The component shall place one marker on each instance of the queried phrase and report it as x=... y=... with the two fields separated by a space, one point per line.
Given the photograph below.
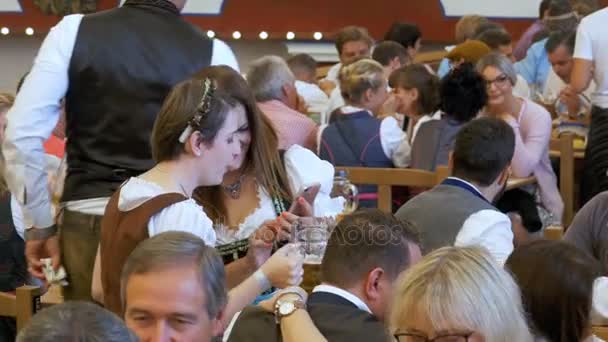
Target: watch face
x=286 y=308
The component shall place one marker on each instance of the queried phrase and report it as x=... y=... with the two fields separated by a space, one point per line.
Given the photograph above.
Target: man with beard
x=459 y=211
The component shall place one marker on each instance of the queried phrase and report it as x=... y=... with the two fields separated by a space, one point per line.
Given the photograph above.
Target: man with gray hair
x=173 y=288
x=273 y=85
x=76 y=321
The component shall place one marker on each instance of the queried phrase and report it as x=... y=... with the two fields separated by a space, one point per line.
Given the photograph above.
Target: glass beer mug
x=344 y=188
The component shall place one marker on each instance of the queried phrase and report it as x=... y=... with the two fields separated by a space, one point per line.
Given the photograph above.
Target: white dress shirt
x=335 y=101
x=35 y=114
x=490 y=229
x=393 y=139
x=344 y=294
x=315 y=98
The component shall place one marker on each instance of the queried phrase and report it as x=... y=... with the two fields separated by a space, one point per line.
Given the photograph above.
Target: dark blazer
x=335 y=317
x=340 y=320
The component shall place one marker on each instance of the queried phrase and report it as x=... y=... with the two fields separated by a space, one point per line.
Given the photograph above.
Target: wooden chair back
x=22 y=305
x=386 y=178
x=601 y=332
x=563 y=146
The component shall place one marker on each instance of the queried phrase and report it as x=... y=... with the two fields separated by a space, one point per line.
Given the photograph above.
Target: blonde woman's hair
x=358 y=77
x=6 y=102
x=462 y=288
x=467 y=26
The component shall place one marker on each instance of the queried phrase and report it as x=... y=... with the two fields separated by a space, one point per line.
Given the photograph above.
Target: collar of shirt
x=344 y=294
x=469 y=184
x=352 y=109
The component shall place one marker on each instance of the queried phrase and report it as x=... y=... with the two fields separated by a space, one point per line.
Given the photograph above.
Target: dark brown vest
x=125 y=62
x=121 y=232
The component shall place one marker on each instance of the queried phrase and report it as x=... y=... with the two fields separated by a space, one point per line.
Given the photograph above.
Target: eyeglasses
x=415 y=337
x=500 y=81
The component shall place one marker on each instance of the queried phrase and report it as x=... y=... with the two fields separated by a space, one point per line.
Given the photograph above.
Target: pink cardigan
x=532 y=136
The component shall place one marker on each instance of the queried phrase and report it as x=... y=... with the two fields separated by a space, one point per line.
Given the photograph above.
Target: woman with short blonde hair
x=358 y=78
x=458 y=294
x=355 y=135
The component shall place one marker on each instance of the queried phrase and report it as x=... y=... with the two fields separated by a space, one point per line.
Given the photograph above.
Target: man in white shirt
x=560 y=48
x=365 y=254
x=352 y=43
x=459 y=211
x=391 y=56
x=591 y=62
x=114 y=68
x=304 y=68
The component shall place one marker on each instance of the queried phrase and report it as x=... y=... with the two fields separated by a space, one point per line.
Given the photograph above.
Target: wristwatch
x=286 y=307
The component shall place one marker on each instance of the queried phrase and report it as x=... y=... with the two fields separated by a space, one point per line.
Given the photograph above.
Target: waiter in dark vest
x=114 y=68
x=591 y=62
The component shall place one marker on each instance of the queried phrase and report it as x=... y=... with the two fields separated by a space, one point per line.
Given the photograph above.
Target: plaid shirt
x=291 y=126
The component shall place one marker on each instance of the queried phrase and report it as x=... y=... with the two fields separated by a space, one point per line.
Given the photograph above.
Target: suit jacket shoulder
x=341 y=321
x=255 y=324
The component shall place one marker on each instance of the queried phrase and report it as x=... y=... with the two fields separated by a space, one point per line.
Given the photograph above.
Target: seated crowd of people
x=194 y=237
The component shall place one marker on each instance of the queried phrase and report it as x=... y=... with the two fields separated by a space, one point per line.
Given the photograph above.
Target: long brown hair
x=416 y=76
x=556 y=281
x=263 y=157
x=178 y=109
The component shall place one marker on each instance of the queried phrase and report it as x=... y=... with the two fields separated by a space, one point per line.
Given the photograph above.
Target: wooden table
x=514 y=183
x=578 y=154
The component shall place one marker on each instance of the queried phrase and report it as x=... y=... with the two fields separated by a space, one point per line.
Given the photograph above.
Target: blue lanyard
x=460 y=184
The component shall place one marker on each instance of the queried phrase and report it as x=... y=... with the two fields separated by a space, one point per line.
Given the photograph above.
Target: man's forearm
x=27 y=180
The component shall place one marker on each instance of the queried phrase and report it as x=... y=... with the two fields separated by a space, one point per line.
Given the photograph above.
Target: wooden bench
x=564 y=149
x=386 y=178
x=22 y=305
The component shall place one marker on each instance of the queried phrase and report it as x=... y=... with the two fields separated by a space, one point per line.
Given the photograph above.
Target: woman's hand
x=389 y=107
x=278 y=230
x=260 y=245
x=294 y=292
x=284 y=268
x=301 y=207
